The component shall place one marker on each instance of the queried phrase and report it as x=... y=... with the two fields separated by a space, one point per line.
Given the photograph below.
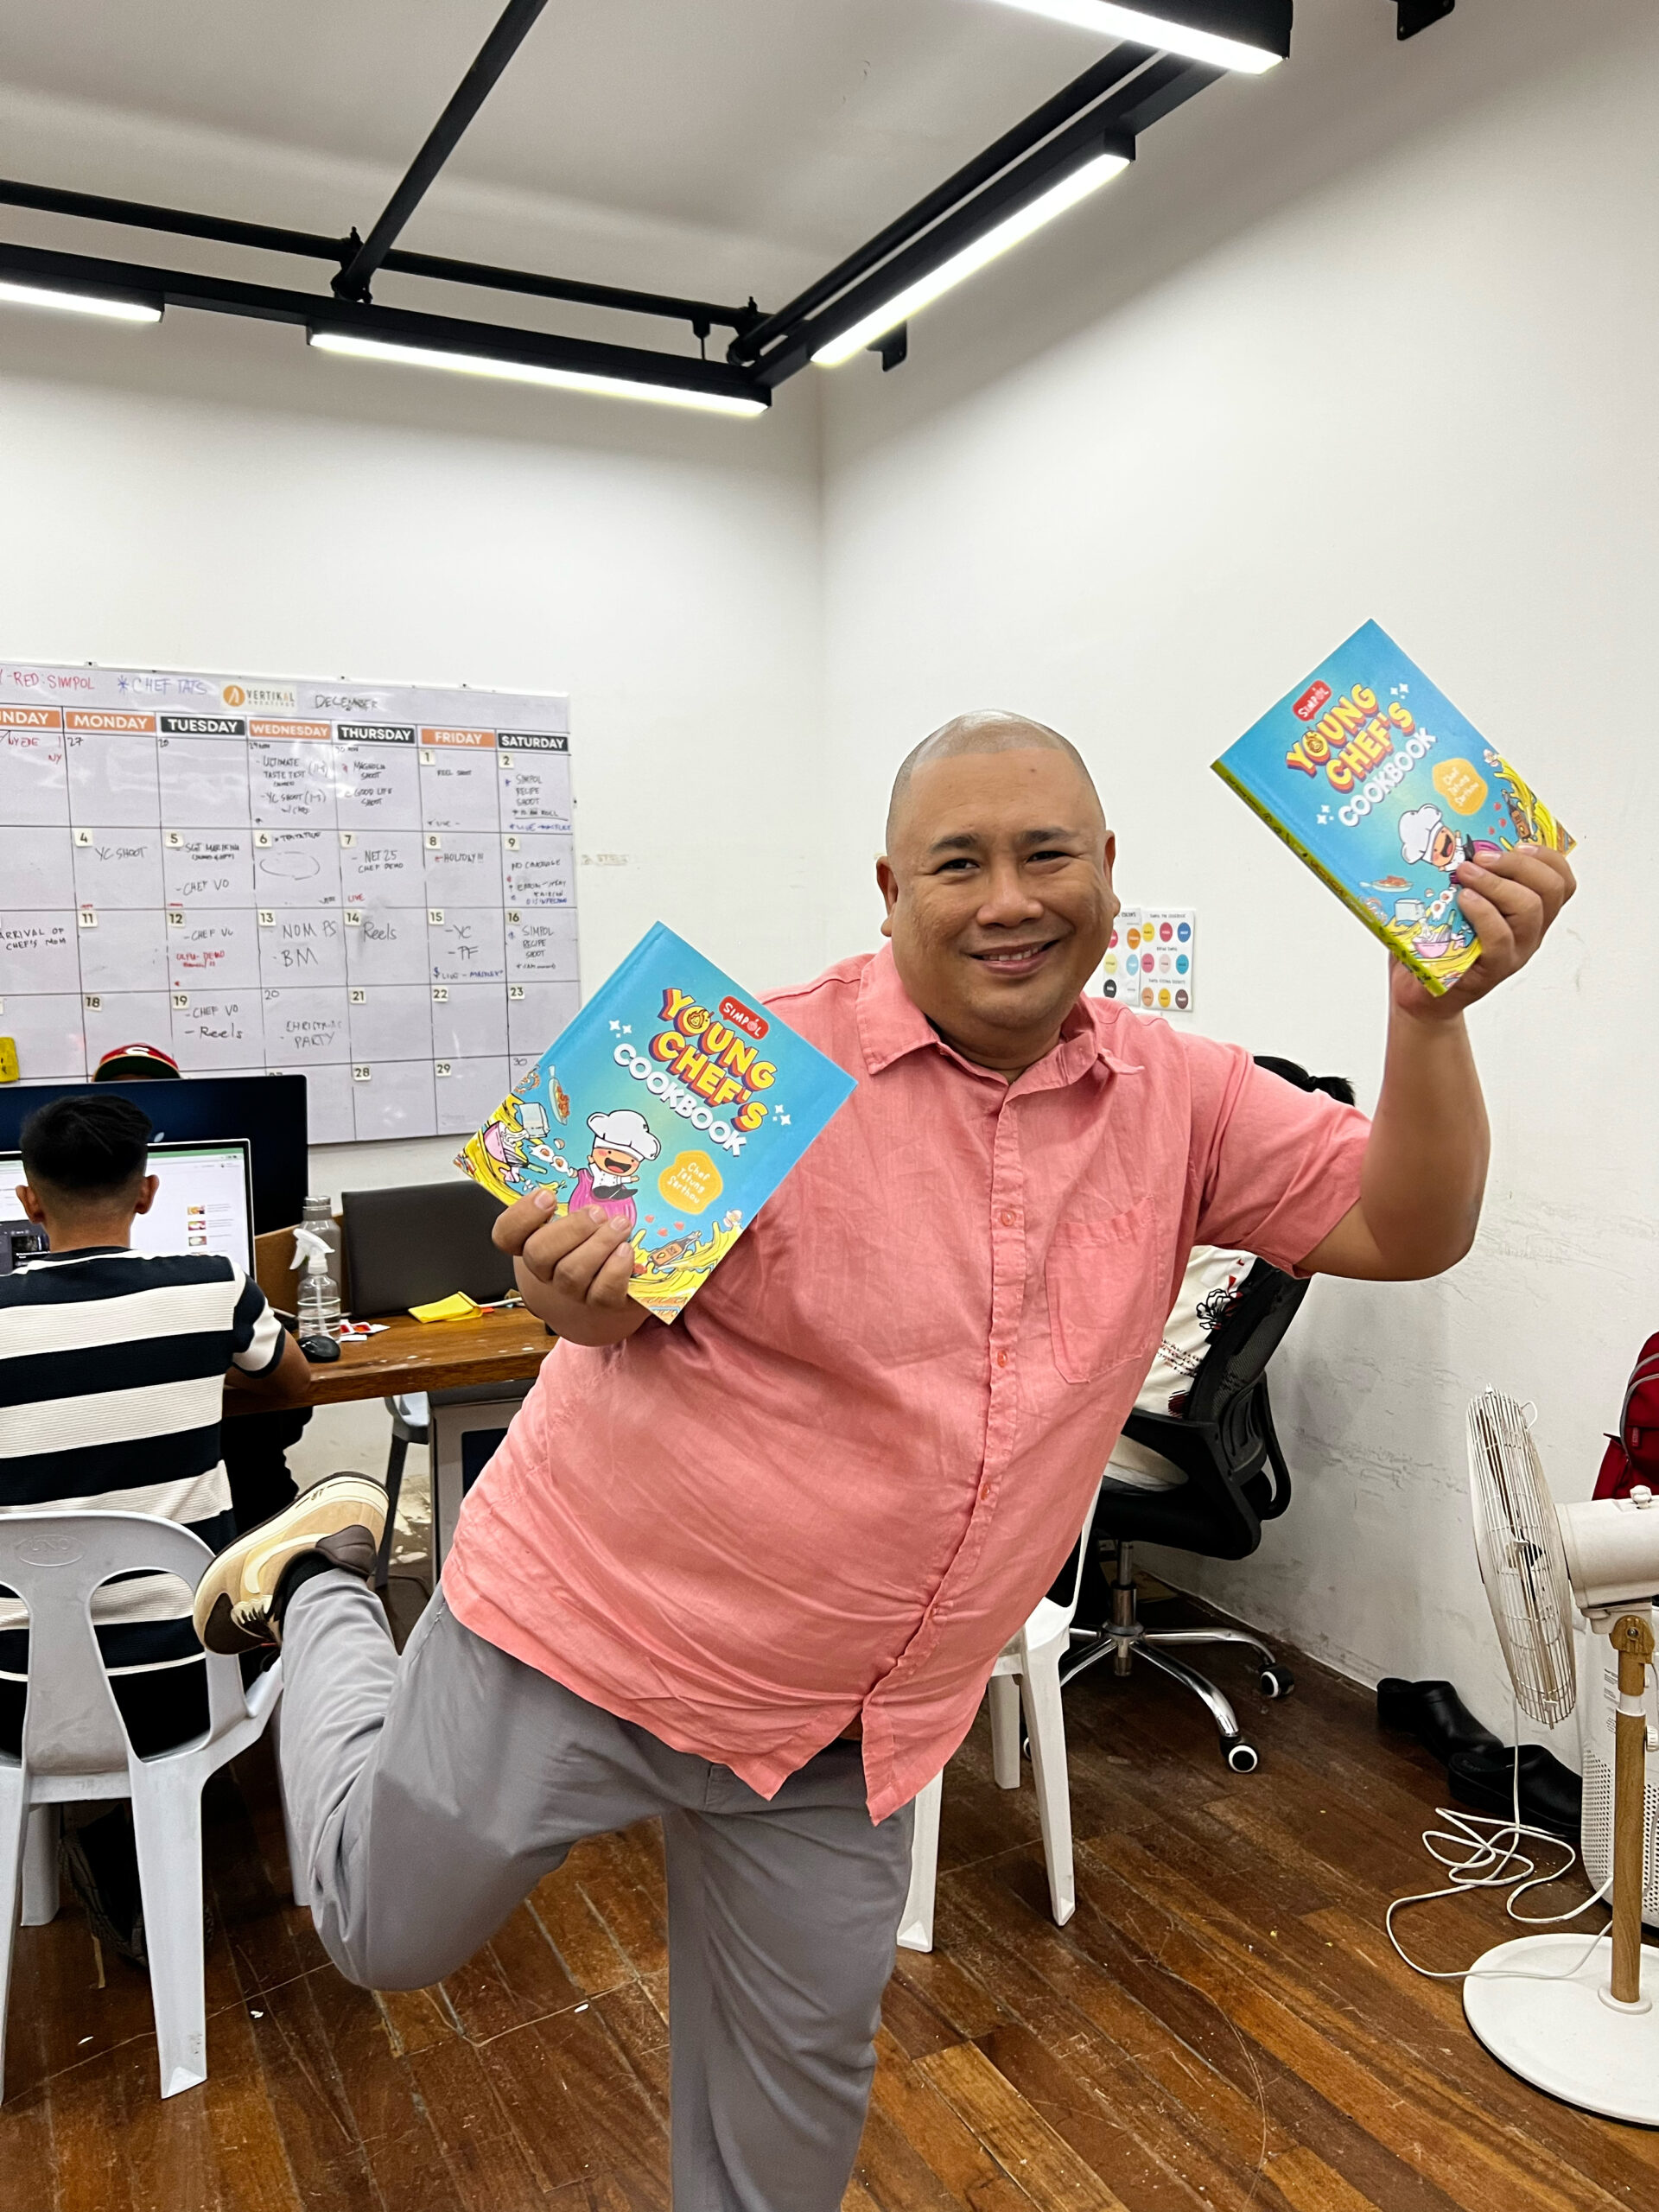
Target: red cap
x=134 y=1064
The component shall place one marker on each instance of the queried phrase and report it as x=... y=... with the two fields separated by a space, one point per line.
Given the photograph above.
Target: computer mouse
x=320 y=1350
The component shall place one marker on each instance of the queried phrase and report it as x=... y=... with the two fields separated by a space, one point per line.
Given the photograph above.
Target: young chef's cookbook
x=1377 y=782
x=675 y=1102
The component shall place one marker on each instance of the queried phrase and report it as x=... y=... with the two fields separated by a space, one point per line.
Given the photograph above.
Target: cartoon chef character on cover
x=622 y=1143
x=1424 y=836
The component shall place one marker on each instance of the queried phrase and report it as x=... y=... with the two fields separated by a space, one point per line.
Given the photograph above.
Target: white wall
x=663 y=572
x=1373 y=337
x=212 y=494
x=667 y=580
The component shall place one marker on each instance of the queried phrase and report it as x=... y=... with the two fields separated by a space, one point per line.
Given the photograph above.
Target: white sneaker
x=343 y=1518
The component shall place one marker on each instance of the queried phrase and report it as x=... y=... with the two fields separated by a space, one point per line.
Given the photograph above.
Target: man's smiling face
x=999 y=894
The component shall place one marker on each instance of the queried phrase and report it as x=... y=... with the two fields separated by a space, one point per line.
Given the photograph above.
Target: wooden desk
x=410 y=1354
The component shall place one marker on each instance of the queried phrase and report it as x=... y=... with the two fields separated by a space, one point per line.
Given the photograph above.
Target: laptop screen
x=204 y=1205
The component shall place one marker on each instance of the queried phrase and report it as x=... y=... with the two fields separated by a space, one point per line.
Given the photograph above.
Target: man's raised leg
x=428 y=1795
x=417 y=1787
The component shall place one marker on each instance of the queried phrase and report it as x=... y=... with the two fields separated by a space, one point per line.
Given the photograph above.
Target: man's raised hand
x=1510 y=903
x=572 y=1270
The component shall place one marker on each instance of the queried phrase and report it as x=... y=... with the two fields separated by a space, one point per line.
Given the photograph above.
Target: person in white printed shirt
x=1212 y=1278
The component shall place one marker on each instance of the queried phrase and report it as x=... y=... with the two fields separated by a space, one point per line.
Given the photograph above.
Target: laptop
x=204 y=1203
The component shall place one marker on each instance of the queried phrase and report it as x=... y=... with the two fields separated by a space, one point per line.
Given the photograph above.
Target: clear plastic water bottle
x=316 y=1255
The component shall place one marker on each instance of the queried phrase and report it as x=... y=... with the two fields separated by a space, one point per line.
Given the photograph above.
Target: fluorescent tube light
x=1151 y=26
x=36 y=296
x=926 y=289
x=482 y=364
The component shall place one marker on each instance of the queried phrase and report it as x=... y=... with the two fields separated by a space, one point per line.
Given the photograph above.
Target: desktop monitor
x=269 y=1111
x=205 y=1205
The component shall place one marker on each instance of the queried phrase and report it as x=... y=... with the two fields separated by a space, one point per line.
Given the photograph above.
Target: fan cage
x=1522 y=1562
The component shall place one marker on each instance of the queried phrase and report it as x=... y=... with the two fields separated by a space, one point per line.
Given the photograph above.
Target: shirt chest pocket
x=1106 y=1286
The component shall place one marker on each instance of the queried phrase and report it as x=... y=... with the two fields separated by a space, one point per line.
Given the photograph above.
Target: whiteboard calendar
x=372 y=886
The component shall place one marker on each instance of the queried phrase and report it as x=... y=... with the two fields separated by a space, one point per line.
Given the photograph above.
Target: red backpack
x=1632 y=1456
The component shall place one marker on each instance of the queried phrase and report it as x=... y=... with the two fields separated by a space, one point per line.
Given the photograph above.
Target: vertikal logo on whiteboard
x=261 y=696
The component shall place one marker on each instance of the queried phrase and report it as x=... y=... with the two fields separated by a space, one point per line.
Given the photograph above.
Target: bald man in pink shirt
x=750 y=1572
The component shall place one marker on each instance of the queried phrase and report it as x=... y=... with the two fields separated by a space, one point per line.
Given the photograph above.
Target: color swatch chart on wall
x=372 y=886
x=1151 y=958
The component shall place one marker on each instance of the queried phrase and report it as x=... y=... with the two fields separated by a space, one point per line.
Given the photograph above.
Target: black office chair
x=407 y=1246
x=1223 y=1440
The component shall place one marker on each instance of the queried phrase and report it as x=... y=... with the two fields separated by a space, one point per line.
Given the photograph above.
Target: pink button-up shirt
x=838 y=1484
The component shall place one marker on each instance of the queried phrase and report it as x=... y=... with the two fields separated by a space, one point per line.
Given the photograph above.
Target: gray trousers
x=427 y=1795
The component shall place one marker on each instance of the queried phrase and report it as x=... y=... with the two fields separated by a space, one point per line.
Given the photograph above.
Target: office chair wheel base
x=1242 y=1758
x=1277 y=1682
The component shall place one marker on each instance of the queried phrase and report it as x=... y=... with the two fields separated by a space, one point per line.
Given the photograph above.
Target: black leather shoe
x=1435 y=1715
x=1552 y=1795
x=101 y=1861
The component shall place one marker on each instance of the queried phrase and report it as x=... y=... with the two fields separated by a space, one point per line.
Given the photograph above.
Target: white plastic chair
x=75 y=1748
x=1028 y=1669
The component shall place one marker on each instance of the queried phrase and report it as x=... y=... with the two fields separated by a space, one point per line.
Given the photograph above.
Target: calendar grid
x=372 y=886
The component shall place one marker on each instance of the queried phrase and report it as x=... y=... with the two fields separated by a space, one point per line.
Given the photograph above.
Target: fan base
x=1559 y=2034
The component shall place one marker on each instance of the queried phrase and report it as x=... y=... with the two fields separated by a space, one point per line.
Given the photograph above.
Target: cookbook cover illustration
x=1377 y=782
x=674 y=1101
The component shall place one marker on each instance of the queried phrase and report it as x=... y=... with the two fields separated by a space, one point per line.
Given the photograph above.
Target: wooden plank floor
x=1222 y=2028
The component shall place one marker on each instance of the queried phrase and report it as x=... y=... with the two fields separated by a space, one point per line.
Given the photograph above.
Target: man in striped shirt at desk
x=113 y=1370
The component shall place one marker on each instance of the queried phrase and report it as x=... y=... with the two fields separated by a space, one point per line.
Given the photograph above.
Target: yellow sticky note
x=456 y=1308
x=7 y=1060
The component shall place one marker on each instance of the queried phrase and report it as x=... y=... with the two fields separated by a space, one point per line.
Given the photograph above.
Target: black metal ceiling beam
x=319 y=311
x=1162 y=84
x=1122 y=61
x=91 y=207
x=1123 y=94
x=475 y=88
x=226 y=230
x=1417 y=14
x=702 y=315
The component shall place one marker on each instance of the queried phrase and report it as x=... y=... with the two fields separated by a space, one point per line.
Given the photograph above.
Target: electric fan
x=1556 y=2011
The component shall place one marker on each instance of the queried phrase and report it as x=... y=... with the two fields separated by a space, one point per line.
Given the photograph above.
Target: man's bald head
x=997 y=881
x=987 y=729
